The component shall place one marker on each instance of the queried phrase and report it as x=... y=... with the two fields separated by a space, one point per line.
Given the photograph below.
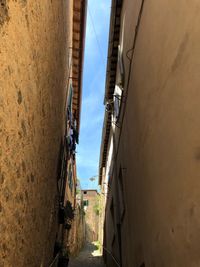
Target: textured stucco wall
x=159 y=146
x=69 y=236
x=34 y=37
x=91 y=217
x=76 y=238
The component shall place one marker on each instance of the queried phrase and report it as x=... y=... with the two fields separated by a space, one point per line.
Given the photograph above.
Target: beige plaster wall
x=160 y=143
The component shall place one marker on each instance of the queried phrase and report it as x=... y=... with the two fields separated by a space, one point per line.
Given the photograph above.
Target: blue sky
x=92 y=111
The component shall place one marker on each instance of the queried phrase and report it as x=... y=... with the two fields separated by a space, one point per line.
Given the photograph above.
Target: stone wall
x=34 y=37
x=91 y=216
x=76 y=237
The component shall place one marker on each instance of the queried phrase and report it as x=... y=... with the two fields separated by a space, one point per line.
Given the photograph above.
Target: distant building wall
x=70 y=236
x=90 y=199
x=76 y=238
x=152 y=214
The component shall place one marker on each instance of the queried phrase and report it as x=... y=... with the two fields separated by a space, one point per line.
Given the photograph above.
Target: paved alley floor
x=88 y=257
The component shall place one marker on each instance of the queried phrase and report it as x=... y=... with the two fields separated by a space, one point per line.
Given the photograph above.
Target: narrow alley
x=99 y=133
x=90 y=256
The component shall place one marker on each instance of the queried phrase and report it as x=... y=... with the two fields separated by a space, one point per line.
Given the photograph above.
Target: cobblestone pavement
x=88 y=257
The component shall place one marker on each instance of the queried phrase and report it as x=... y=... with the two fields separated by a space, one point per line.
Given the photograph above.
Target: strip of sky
x=96 y=47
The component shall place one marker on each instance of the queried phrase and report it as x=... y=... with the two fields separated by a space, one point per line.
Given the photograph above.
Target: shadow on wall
x=92 y=247
x=91 y=235
x=89 y=256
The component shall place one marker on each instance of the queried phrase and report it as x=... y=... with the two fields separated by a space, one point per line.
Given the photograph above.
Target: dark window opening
x=86 y=203
x=121 y=196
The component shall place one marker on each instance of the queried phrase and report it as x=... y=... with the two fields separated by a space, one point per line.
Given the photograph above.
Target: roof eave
x=110 y=79
x=79 y=22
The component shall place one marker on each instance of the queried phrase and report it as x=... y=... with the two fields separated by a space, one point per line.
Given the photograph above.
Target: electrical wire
x=96 y=37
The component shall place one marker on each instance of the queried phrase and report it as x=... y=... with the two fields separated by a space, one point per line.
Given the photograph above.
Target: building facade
x=41 y=58
x=70 y=216
x=91 y=208
x=149 y=164
x=76 y=239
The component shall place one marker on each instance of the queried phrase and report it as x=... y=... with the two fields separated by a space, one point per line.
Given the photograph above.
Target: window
x=112 y=212
x=86 y=203
x=117 y=103
x=120 y=69
x=112 y=234
x=119 y=84
x=70 y=178
x=121 y=196
x=69 y=99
